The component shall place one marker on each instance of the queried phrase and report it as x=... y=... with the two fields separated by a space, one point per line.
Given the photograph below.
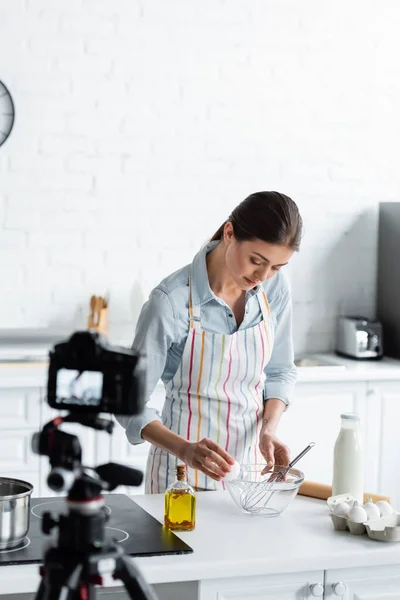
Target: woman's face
x=253 y=262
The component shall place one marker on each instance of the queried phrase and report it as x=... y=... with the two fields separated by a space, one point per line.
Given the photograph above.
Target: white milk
x=348 y=461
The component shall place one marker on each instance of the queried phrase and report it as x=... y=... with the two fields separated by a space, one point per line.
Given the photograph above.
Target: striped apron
x=217 y=392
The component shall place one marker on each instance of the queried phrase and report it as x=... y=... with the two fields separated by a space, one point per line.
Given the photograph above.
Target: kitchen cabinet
x=384 y=398
x=19 y=417
x=314 y=416
x=298 y=586
x=380 y=583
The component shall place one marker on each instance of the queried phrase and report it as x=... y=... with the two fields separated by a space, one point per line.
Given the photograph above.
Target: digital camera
x=89 y=375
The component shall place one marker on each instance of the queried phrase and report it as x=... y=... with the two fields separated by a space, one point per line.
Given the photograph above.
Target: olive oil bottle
x=180 y=503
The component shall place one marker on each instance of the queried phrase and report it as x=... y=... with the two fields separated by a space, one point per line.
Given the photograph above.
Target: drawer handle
x=317 y=590
x=339 y=589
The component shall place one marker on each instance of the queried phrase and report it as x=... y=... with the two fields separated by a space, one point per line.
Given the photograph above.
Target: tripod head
x=65 y=455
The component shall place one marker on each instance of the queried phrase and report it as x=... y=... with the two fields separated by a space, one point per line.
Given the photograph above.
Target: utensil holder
x=100 y=323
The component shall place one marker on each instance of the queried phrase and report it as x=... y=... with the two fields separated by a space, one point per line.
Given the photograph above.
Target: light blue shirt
x=163 y=327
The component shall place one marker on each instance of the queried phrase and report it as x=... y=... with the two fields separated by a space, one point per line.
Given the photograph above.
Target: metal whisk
x=256 y=496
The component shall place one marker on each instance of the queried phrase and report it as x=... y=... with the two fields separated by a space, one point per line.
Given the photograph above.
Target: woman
x=218 y=334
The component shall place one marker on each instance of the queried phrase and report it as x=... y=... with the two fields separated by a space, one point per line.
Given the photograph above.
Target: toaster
x=359 y=337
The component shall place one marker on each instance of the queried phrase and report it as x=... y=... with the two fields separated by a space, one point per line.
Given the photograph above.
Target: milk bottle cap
x=350 y=416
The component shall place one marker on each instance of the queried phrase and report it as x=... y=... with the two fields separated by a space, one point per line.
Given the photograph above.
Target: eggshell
x=233 y=473
x=385 y=508
x=357 y=514
x=372 y=510
x=341 y=509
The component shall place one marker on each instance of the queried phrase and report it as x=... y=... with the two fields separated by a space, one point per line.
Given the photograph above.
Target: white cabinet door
x=384 y=401
x=298 y=586
x=20 y=408
x=15 y=452
x=315 y=416
x=19 y=419
x=377 y=583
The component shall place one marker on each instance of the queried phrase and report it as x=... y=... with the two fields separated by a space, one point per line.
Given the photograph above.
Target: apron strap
x=264 y=305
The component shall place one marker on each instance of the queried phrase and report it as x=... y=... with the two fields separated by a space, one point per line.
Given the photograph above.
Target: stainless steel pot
x=15 y=501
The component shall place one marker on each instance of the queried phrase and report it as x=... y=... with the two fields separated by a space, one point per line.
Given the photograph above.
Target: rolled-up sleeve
x=281 y=373
x=154 y=334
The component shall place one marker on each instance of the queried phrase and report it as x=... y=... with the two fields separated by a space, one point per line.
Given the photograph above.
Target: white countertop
x=386 y=369
x=228 y=543
x=34 y=372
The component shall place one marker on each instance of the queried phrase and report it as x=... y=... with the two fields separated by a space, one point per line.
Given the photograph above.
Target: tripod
x=83 y=556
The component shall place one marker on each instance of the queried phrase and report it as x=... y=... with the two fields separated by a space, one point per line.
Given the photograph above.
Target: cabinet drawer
x=288 y=586
x=20 y=407
x=377 y=583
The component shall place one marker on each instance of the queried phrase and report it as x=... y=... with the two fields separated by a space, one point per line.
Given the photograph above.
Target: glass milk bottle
x=348 y=462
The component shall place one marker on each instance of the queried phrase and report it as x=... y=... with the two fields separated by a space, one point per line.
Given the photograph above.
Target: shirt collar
x=201 y=291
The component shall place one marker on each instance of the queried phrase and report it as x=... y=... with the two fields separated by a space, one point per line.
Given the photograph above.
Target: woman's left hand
x=273 y=450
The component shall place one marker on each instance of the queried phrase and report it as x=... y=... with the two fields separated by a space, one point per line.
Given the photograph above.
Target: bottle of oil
x=180 y=503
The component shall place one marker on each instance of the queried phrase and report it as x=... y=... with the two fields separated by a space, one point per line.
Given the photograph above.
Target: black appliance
x=388 y=277
x=139 y=533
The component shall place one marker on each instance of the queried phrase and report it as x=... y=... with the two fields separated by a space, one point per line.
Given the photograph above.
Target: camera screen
x=83 y=388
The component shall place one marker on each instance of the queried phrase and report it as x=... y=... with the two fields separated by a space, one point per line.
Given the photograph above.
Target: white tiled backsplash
x=140 y=124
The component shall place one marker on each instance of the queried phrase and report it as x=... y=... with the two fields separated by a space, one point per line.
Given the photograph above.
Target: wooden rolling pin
x=324 y=491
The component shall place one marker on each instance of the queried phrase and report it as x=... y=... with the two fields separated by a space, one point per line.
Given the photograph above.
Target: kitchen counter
x=345 y=369
x=227 y=543
x=34 y=373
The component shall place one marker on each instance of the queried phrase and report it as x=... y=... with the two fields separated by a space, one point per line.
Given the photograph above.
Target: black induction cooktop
x=139 y=533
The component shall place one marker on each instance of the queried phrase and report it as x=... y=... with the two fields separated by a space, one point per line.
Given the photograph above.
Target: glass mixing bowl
x=255 y=495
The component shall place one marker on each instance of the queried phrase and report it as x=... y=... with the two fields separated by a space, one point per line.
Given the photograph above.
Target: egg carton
x=385 y=529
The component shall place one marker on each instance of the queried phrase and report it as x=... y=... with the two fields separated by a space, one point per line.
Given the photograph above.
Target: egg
x=341 y=509
x=385 y=508
x=357 y=514
x=233 y=473
x=372 y=510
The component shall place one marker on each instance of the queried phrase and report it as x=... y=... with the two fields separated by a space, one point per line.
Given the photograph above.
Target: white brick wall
x=141 y=123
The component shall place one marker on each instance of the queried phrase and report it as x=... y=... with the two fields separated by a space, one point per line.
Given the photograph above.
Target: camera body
x=88 y=375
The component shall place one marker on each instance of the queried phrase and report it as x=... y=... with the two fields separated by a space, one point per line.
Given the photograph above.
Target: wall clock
x=7 y=113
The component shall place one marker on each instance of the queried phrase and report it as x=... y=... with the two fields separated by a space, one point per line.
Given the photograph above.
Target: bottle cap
x=350 y=416
x=181 y=472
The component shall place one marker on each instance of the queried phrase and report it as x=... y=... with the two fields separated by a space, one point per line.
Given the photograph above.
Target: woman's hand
x=273 y=450
x=208 y=457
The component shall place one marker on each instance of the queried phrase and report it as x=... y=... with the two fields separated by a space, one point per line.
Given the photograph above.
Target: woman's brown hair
x=268 y=216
